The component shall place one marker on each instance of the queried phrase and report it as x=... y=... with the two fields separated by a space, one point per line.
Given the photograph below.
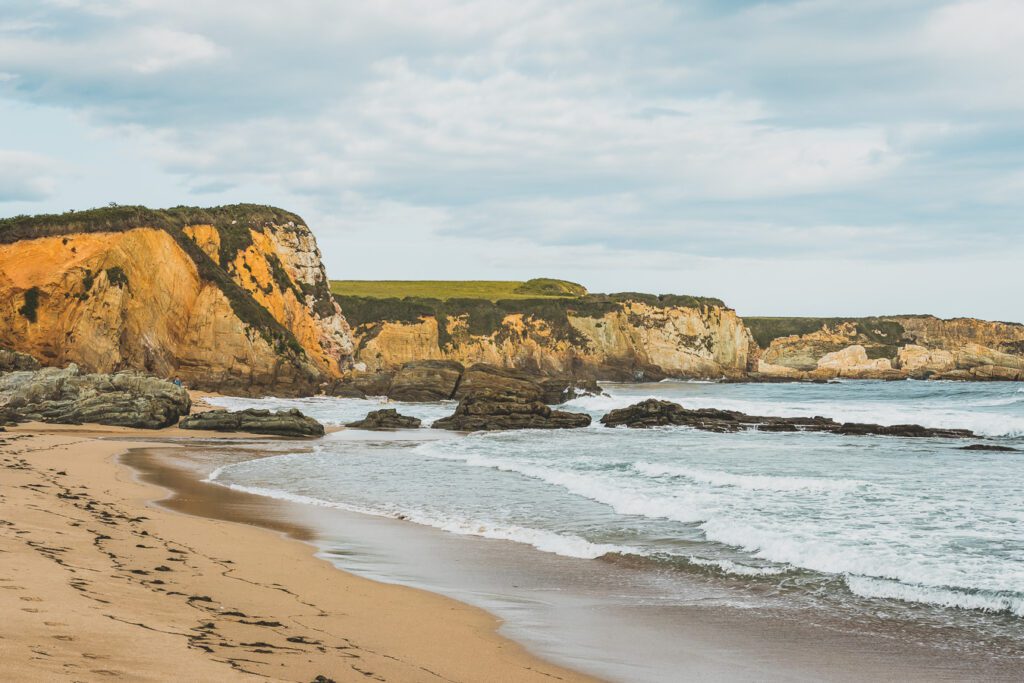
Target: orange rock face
x=136 y=299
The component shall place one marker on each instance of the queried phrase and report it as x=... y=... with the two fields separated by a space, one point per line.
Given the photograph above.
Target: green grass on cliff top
x=490 y=290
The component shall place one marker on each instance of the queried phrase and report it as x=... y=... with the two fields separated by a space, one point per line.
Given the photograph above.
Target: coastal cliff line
x=233 y=298
x=236 y=299
x=622 y=337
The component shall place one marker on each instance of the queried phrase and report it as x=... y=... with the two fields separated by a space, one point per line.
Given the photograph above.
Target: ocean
x=876 y=535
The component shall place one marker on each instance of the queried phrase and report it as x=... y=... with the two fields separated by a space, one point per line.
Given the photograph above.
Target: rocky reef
x=232 y=299
x=290 y=423
x=70 y=396
x=655 y=413
x=899 y=347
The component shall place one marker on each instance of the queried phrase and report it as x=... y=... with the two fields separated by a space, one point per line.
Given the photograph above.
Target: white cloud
x=25 y=176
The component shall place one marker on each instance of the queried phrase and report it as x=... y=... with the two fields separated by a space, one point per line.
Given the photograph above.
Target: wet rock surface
x=256 y=421
x=655 y=413
x=989 y=447
x=69 y=396
x=387 y=418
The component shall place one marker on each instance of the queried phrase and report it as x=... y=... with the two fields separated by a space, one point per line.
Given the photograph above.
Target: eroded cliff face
x=248 y=316
x=631 y=340
x=899 y=347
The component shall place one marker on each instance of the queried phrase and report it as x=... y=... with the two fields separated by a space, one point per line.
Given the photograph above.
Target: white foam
x=870 y=587
x=730 y=567
x=751 y=482
x=547 y=541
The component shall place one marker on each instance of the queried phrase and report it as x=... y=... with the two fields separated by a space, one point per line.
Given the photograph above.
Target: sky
x=809 y=157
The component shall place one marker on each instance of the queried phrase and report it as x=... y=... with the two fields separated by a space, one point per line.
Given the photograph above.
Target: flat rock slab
x=255 y=421
x=655 y=413
x=387 y=418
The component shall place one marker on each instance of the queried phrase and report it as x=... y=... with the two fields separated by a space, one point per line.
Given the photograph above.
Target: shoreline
x=609 y=618
x=101 y=579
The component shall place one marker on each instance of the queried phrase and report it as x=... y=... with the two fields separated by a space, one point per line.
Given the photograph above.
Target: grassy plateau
x=443 y=290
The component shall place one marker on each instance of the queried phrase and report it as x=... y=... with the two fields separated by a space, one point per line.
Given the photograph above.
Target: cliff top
x=118 y=218
x=443 y=290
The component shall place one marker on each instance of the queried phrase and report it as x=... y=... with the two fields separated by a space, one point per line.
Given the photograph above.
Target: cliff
x=621 y=337
x=233 y=299
x=897 y=347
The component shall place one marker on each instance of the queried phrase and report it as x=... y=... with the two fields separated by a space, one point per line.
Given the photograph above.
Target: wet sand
x=98 y=583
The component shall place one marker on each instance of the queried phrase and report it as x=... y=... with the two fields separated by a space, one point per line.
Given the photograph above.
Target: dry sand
x=97 y=583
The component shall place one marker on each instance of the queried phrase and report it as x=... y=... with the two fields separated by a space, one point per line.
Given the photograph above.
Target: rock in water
x=255 y=421
x=989 y=447
x=492 y=411
x=655 y=413
x=425 y=381
x=388 y=418
x=68 y=396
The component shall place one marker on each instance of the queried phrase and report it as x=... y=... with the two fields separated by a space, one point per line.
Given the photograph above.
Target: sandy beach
x=98 y=583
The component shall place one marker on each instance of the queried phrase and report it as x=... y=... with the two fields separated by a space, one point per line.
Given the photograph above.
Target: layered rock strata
x=70 y=396
x=290 y=423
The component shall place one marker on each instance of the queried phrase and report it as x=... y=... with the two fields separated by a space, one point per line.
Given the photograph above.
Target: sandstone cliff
x=896 y=347
x=621 y=337
x=232 y=299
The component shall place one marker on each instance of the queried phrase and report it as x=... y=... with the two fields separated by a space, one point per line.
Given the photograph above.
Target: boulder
x=255 y=421
x=562 y=389
x=426 y=381
x=496 y=410
x=482 y=378
x=13 y=361
x=655 y=413
x=388 y=418
x=68 y=396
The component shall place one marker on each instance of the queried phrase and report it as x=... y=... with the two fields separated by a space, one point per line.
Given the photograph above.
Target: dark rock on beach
x=255 y=421
x=517 y=407
x=425 y=381
x=388 y=418
x=655 y=413
x=13 y=361
x=69 y=396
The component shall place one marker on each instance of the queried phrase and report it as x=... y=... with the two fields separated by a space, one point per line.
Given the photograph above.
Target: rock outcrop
x=232 y=299
x=438 y=380
x=256 y=421
x=388 y=418
x=508 y=405
x=655 y=413
x=622 y=337
x=898 y=347
x=425 y=381
x=69 y=396
x=12 y=361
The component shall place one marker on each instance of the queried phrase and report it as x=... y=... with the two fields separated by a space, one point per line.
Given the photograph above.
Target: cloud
x=25 y=176
x=673 y=133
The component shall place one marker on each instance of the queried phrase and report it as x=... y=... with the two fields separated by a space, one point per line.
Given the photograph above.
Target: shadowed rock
x=426 y=381
x=989 y=447
x=13 y=361
x=388 y=418
x=492 y=411
x=68 y=396
x=655 y=413
x=255 y=421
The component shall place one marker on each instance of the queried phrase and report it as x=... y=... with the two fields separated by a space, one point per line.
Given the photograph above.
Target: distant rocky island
x=236 y=299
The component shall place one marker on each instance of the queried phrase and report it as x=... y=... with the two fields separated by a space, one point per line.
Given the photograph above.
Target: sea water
x=853 y=524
